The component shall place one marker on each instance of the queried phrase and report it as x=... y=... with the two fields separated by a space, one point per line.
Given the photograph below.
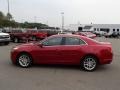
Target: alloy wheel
x=24 y=60
x=89 y=63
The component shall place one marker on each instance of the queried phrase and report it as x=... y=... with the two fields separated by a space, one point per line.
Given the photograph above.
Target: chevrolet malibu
x=64 y=49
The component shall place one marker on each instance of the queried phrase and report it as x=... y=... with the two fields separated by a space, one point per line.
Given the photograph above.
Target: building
x=97 y=28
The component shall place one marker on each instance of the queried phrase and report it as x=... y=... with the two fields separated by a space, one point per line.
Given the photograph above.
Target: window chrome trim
x=63 y=44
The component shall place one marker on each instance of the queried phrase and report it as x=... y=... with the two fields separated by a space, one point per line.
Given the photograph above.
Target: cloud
x=49 y=11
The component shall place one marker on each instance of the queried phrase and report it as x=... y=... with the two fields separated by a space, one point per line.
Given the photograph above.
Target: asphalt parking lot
x=44 y=77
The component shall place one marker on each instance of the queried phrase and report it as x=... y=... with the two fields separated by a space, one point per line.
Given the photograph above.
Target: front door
x=48 y=53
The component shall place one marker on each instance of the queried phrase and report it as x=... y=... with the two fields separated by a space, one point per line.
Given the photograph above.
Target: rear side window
x=73 y=41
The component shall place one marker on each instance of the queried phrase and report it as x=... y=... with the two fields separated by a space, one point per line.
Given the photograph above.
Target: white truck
x=4 y=38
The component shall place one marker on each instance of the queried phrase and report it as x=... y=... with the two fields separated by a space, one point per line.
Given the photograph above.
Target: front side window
x=53 y=41
x=73 y=41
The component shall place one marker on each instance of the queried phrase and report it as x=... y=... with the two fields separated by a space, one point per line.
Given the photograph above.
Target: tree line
x=8 y=21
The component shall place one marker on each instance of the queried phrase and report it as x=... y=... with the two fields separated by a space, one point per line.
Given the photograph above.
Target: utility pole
x=8 y=14
x=62 y=14
x=8 y=6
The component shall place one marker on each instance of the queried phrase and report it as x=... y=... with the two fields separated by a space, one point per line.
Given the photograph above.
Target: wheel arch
x=90 y=54
x=25 y=52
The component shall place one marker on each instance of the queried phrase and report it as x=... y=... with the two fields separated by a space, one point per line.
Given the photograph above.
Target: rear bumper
x=41 y=37
x=107 y=59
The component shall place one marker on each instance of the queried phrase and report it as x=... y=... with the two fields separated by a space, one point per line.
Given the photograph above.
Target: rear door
x=71 y=51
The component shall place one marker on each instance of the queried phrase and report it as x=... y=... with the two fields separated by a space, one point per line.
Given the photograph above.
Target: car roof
x=66 y=35
x=89 y=41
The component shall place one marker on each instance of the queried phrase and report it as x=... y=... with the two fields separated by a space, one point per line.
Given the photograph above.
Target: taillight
x=110 y=49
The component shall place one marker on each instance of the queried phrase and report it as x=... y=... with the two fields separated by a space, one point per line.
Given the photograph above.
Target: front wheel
x=6 y=43
x=24 y=60
x=89 y=63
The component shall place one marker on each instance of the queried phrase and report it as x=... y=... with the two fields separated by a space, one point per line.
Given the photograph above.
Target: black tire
x=16 y=40
x=89 y=63
x=6 y=43
x=24 y=60
x=1 y=44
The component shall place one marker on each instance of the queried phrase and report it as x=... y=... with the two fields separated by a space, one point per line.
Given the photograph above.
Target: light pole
x=8 y=6
x=62 y=14
x=8 y=14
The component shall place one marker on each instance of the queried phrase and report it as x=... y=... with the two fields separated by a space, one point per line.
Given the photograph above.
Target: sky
x=75 y=11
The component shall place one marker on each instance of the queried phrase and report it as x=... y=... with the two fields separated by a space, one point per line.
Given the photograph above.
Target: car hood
x=25 y=45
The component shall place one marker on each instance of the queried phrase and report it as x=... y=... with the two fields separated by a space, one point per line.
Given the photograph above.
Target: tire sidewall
x=30 y=58
x=82 y=63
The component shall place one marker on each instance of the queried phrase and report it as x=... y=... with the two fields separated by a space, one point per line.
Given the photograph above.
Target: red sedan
x=64 y=49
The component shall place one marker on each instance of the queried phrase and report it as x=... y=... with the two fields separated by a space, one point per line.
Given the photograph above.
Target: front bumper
x=5 y=40
x=14 y=56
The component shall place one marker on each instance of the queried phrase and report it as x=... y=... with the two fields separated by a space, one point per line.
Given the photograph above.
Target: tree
x=1 y=15
x=33 y=25
x=7 y=21
x=9 y=16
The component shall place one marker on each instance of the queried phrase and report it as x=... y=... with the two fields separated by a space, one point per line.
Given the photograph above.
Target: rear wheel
x=24 y=60
x=16 y=40
x=89 y=63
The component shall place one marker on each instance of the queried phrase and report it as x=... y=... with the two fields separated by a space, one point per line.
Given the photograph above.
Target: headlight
x=15 y=48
